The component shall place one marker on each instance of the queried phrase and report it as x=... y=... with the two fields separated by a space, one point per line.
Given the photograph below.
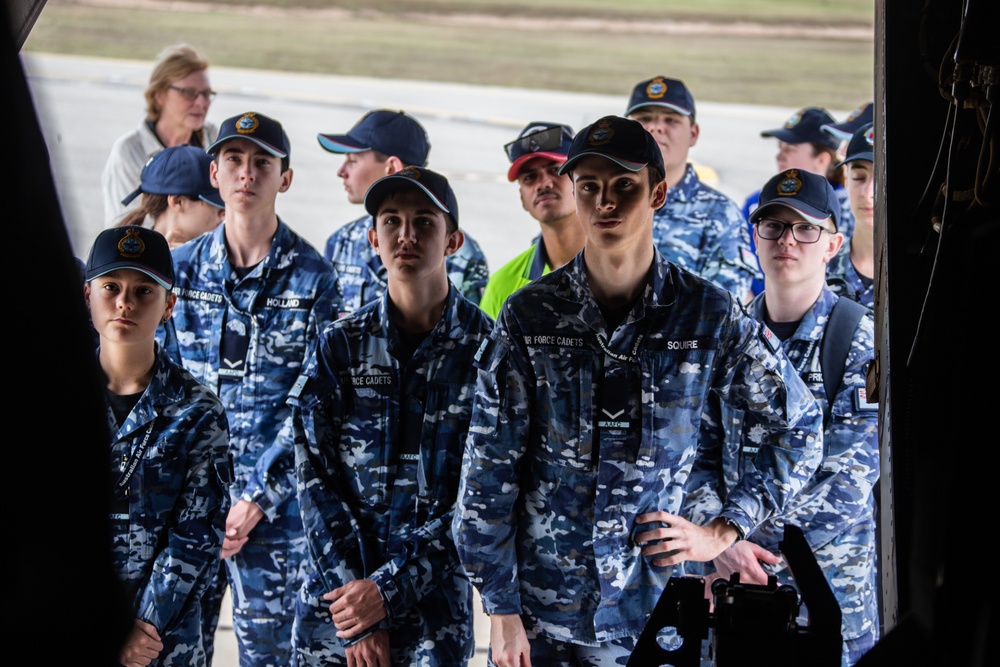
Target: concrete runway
x=84 y=104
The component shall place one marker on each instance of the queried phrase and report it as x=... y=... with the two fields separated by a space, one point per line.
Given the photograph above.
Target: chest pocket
x=363 y=442
x=446 y=425
x=564 y=402
x=675 y=386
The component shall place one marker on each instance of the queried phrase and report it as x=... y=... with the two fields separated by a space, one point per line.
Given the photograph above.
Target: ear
x=455 y=241
x=833 y=246
x=86 y=294
x=168 y=310
x=159 y=96
x=286 y=180
x=659 y=194
x=695 y=133
x=373 y=237
x=392 y=165
x=177 y=203
x=213 y=170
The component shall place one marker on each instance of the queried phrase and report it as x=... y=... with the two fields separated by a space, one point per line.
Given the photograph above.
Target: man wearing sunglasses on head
x=698 y=227
x=795 y=227
x=535 y=157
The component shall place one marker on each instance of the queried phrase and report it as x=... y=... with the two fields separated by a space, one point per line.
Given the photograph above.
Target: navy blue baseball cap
x=131 y=247
x=389 y=132
x=863 y=115
x=662 y=92
x=178 y=170
x=538 y=139
x=621 y=140
x=258 y=128
x=431 y=183
x=809 y=194
x=803 y=126
x=862 y=146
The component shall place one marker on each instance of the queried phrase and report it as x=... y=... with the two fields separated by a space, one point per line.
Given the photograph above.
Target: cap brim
x=870 y=156
x=664 y=105
x=791 y=137
x=394 y=183
x=836 y=132
x=626 y=164
x=340 y=143
x=163 y=281
x=808 y=213
x=131 y=196
x=214 y=148
x=515 y=167
x=783 y=134
x=215 y=199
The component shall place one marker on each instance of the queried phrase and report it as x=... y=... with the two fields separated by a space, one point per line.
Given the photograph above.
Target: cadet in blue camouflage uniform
x=698 y=227
x=379 y=423
x=796 y=236
x=381 y=143
x=252 y=297
x=169 y=452
x=805 y=143
x=586 y=423
x=854 y=265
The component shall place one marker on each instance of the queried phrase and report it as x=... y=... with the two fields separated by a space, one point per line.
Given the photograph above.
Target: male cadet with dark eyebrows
x=381 y=143
x=585 y=424
x=252 y=297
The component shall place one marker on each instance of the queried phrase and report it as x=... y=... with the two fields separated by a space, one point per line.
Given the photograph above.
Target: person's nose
x=869 y=190
x=407 y=233
x=546 y=181
x=606 y=200
x=247 y=171
x=125 y=302
x=787 y=237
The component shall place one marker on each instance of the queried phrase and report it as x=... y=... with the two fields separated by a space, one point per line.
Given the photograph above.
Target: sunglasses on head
x=550 y=139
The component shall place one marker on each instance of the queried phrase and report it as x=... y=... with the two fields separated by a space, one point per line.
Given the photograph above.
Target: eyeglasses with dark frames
x=191 y=94
x=803 y=232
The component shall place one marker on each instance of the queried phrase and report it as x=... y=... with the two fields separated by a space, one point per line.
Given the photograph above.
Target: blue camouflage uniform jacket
x=363 y=277
x=378 y=448
x=552 y=481
x=835 y=510
x=702 y=230
x=841 y=268
x=169 y=476
x=247 y=340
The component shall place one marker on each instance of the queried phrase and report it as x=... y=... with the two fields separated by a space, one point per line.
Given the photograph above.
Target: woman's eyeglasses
x=191 y=94
x=803 y=232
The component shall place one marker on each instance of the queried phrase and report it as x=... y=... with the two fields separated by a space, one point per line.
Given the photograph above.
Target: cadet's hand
x=356 y=606
x=508 y=641
x=142 y=646
x=242 y=518
x=372 y=651
x=744 y=557
x=682 y=540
